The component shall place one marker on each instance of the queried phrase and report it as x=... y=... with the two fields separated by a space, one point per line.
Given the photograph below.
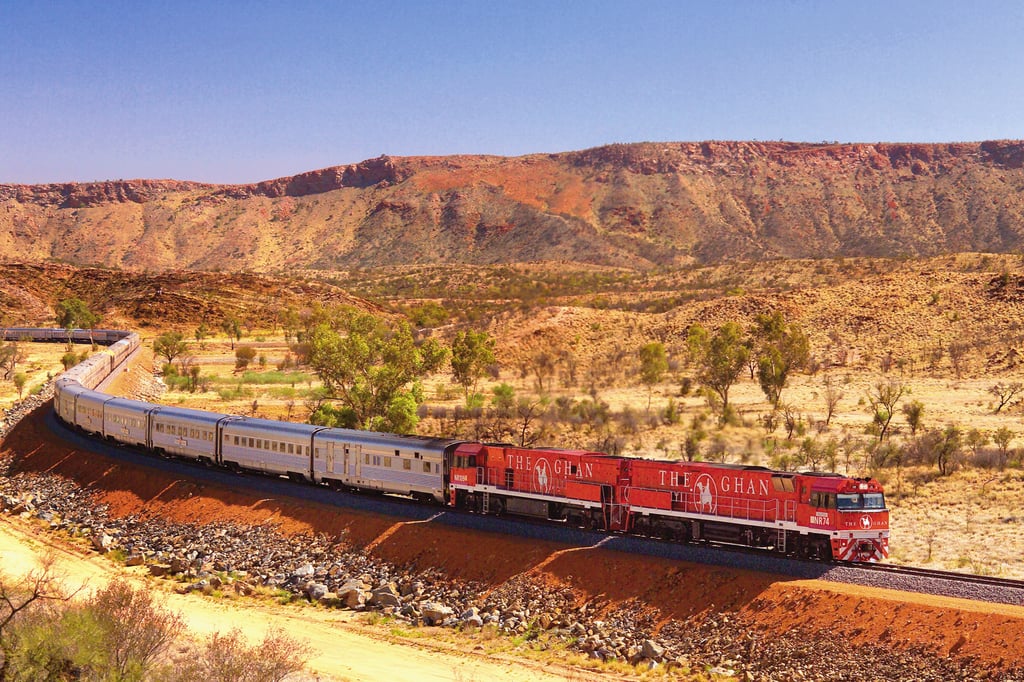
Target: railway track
x=952 y=576
x=930 y=581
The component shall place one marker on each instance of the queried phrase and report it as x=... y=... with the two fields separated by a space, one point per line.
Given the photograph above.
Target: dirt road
x=344 y=648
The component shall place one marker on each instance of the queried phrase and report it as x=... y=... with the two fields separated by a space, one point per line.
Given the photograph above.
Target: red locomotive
x=813 y=515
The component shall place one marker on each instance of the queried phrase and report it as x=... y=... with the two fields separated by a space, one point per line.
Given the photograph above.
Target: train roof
x=378 y=437
x=171 y=412
x=255 y=424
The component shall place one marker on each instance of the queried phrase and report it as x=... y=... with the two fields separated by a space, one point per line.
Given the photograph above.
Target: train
x=811 y=515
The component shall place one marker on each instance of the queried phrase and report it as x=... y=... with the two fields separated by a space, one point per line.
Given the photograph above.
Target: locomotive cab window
x=823 y=500
x=866 y=501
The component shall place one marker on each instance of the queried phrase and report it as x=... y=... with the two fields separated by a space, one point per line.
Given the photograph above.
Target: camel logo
x=541 y=476
x=865 y=522
x=707 y=491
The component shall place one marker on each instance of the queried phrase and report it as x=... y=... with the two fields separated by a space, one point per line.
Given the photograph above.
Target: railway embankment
x=606 y=604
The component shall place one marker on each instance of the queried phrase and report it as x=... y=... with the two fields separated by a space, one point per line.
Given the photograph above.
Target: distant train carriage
x=366 y=460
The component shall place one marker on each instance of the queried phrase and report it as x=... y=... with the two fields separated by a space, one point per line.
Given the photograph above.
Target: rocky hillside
x=636 y=205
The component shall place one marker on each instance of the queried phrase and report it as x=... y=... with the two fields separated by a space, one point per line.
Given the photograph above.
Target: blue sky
x=240 y=92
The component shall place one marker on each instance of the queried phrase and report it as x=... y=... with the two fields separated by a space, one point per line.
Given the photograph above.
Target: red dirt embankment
x=945 y=626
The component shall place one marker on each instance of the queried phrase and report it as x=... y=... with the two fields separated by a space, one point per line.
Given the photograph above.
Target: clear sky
x=246 y=91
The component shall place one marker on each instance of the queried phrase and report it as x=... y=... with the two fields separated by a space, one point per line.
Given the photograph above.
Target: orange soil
x=949 y=627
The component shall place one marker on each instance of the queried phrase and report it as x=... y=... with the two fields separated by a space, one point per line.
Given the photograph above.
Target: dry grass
x=42 y=362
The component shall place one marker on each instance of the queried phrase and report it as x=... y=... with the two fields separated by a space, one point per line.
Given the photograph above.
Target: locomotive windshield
x=856 y=501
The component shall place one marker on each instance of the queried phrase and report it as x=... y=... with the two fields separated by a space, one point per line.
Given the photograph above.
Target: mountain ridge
x=650 y=204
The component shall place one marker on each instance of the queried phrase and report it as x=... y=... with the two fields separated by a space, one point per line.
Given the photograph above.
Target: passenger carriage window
x=407 y=464
x=307 y=451
x=291 y=449
x=387 y=462
x=366 y=458
x=426 y=467
x=251 y=442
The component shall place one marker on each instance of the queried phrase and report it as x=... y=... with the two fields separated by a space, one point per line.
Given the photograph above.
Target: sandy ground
x=344 y=649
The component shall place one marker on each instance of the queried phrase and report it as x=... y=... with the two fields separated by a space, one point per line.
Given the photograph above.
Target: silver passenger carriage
x=66 y=392
x=406 y=465
x=184 y=432
x=89 y=411
x=127 y=421
x=269 y=446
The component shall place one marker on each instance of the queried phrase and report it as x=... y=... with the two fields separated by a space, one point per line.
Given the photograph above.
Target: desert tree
x=782 y=348
x=653 y=365
x=1002 y=438
x=883 y=398
x=373 y=368
x=792 y=420
x=170 y=345
x=472 y=354
x=72 y=313
x=527 y=412
x=290 y=323
x=958 y=356
x=19 y=382
x=12 y=354
x=976 y=439
x=1005 y=394
x=243 y=356
x=913 y=412
x=948 y=449
x=832 y=395
x=18 y=598
x=719 y=357
x=544 y=365
x=232 y=328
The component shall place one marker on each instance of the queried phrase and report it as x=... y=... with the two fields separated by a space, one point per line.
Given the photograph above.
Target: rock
x=135 y=560
x=652 y=650
x=435 y=613
x=243 y=588
x=315 y=591
x=304 y=571
x=102 y=542
x=159 y=570
x=385 y=597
